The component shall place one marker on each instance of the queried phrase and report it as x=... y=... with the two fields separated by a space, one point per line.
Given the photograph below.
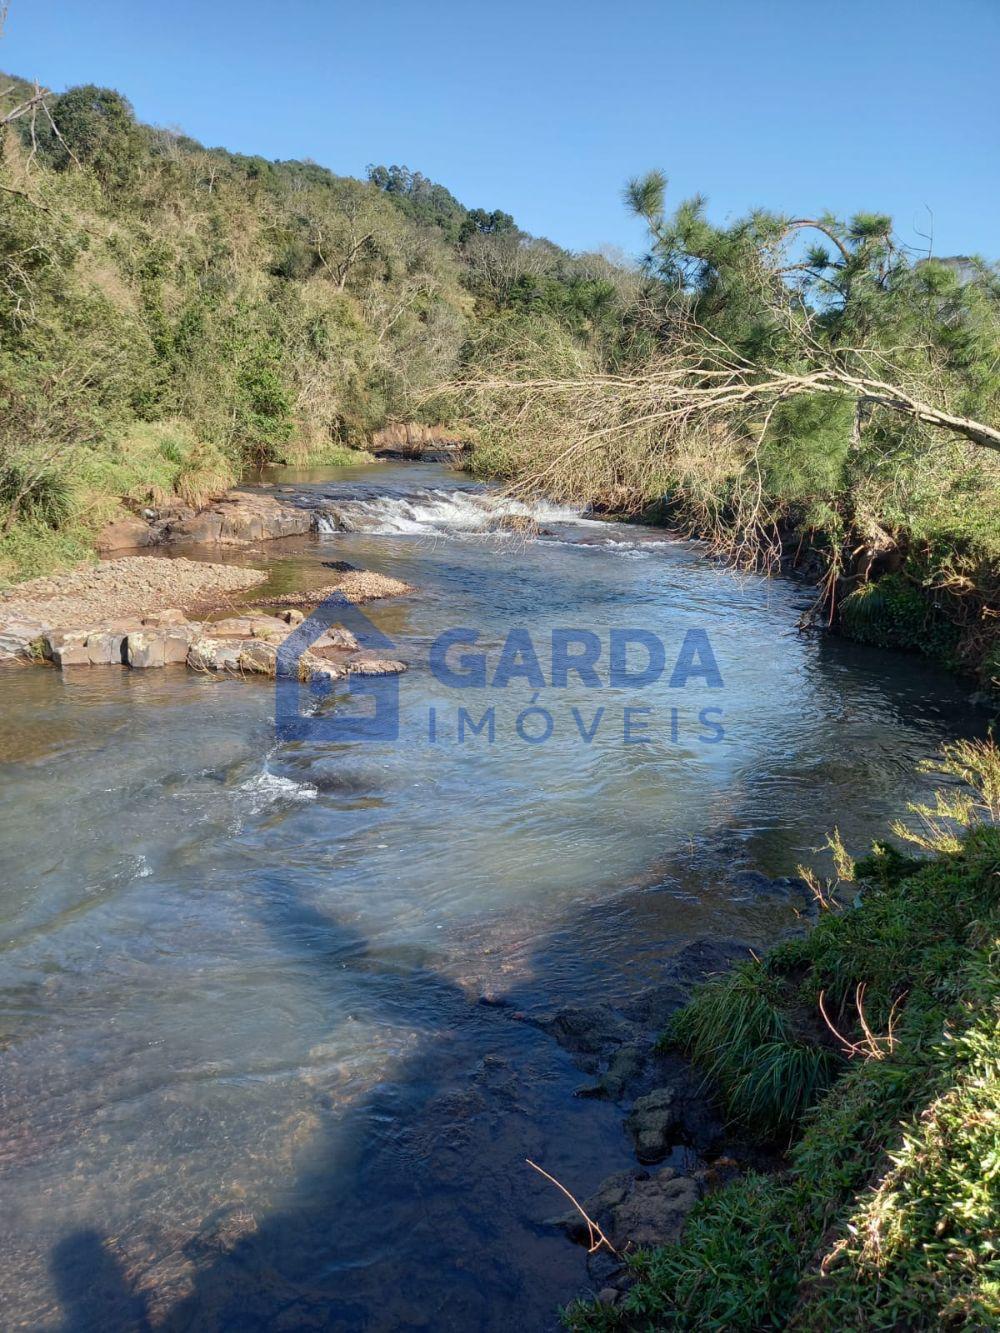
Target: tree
x=420 y=198
x=845 y=387
x=95 y=127
x=853 y=316
x=478 y=222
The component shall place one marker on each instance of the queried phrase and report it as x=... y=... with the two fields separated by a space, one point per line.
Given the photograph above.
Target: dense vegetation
x=874 y=1044
x=838 y=401
x=171 y=314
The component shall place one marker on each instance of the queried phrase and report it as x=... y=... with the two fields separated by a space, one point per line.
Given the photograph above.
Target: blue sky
x=544 y=108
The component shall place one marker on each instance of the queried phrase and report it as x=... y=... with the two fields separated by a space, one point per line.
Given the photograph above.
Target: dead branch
x=597 y=1237
x=871 y=1046
x=704 y=379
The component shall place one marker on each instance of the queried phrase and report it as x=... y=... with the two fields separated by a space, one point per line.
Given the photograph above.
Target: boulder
x=336 y=637
x=124 y=534
x=654 y=1211
x=236 y=518
x=624 y=1067
x=582 y=1030
x=652 y=1122
x=635 y=1209
x=72 y=654
x=207 y=654
x=271 y=628
x=21 y=638
x=249 y=627
x=413 y=440
x=234 y=627
x=522 y=525
x=317 y=669
x=375 y=666
x=145 y=649
x=171 y=616
x=176 y=642
x=106 y=648
x=66 y=647
x=259 y=657
x=204 y=527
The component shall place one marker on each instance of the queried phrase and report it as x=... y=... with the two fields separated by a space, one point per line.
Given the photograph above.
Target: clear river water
x=249 y=1079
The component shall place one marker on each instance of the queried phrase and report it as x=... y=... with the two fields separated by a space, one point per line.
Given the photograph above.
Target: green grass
x=33 y=548
x=887 y=1213
x=740 y=1033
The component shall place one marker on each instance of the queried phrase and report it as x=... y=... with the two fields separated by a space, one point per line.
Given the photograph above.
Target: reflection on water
x=247 y=1079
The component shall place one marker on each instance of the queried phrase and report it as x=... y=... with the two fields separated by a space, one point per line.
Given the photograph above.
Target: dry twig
x=871 y=1047
x=597 y=1238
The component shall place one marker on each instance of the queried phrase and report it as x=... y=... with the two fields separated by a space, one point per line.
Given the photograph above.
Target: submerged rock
x=522 y=525
x=624 y=1066
x=585 y=1030
x=654 y=1211
x=753 y=886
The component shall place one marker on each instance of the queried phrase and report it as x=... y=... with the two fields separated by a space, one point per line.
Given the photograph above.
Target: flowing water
x=249 y=1080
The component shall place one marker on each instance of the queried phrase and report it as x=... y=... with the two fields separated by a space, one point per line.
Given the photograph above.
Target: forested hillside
x=170 y=314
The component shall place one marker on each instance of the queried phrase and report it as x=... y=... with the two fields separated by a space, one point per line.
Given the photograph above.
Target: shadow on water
x=414 y=1208
x=92 y=1287
x=436 y=1155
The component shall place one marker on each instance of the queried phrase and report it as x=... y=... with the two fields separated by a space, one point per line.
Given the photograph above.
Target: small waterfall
x=436 y=511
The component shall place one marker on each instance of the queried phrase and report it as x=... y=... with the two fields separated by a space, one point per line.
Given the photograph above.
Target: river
x=268 y=1050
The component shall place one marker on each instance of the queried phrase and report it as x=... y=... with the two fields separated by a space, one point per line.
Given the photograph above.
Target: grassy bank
x=872 y=1047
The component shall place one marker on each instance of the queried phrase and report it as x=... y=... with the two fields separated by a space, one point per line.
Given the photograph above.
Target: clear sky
x=544 y=107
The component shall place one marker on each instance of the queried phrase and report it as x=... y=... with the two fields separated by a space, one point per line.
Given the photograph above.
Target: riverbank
x=909 y=563
x=869 y=588
x=871 y=1044
x=145 y=612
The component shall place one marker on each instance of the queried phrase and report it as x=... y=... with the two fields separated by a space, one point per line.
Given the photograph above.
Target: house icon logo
x=373 y=711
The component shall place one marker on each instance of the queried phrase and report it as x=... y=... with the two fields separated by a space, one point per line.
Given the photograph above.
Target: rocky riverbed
x=287 y=1019
x=140 y=612
x=680 y=1142
x=237 y=518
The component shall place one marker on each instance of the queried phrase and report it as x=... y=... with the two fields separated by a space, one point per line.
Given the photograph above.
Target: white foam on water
x=436 y=512
x=267 y=787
